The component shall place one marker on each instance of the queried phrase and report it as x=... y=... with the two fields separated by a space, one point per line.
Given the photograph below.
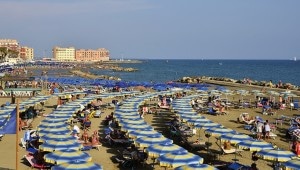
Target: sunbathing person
x=95 y=138
x=85 y=136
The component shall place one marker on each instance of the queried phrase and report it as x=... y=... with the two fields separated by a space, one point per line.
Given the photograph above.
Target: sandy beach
x=11 y=160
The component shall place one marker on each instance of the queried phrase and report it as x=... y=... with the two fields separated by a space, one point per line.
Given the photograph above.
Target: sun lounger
x=231 y=151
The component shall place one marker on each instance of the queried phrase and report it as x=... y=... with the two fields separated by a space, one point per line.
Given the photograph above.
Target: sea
x=161 y=71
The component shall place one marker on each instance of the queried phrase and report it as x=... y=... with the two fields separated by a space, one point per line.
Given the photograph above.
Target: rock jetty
x=93 y=76
x=230 y=81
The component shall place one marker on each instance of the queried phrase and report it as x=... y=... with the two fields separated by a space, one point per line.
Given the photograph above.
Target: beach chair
x=231 y=151
x=97 y=114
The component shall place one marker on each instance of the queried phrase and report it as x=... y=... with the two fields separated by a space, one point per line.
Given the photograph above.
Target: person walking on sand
x=259 y=129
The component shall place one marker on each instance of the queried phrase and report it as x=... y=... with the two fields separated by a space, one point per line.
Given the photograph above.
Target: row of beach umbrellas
x=264 y=150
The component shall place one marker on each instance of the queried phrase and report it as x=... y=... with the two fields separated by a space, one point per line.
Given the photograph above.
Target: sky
x=157 y=29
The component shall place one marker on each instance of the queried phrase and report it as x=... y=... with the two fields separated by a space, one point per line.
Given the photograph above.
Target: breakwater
x=92 y=76
x=240 y=83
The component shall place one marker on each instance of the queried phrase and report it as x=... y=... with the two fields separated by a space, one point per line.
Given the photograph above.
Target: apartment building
x=10 y=44
x=26 y=53
x=100 y=54
x=64 y=54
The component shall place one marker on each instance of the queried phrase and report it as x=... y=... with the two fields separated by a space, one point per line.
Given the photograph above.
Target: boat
x=295 y=58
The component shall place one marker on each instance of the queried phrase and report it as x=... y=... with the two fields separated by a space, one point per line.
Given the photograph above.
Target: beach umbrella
x=196 y=167
x=242 y=92
x=60 y=144
x=293 y=164
x=254 y=145
x=62 y=130
x=277 y=155
x=143 y=133
x=197 y=121
x=206 y=125
x=47 y=120
x=156 y=150
x=52 y=125
x=57 y=136
x=66 y=156
x=123 y=122
x=234 y=138
x=151 y=140
x=59 y=116
x=218 y=131
x=82 y=165
x=186 y=117
x=133 y=127
x=176 y=159
x=119 y=117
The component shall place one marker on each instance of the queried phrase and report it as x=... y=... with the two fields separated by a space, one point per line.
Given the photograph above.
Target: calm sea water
x=166 y=70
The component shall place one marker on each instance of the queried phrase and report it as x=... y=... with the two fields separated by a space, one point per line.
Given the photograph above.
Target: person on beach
x=267 y=130
x=95 y=138
x=259 y=129
x=85 y=136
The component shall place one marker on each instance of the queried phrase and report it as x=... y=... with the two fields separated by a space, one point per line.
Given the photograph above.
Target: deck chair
x=34 y=164
x=91 y=115
x=231 y=151
x=97 y=114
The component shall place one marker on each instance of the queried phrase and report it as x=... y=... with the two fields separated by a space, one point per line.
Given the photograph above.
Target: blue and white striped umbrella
x=156 y=150
x=47 y=120
x=198 y=121
x=60 y=144
x=255 y=145
x=133 y=127
x=275 y=155
x=62 y=130
x=57 y=136
x=218 y=131
x=293 y=164
x=143 y=133
x=123 y=122
x=67 y=156
x=52 y=125
x=196 y=167
x=234 y=138
x=151 y=140
x=176 y=159
x=207 y=125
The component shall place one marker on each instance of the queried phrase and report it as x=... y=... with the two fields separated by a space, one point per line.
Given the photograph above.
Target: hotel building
x=100 y=54
x=10 y=44
x=26 y=53
x=64 y=54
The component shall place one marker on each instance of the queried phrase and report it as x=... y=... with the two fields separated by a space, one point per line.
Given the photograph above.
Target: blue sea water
x=166 y=70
